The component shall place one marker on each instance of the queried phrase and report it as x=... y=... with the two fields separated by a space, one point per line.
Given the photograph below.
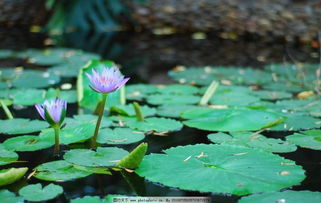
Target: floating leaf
x=103 y=157
x=86 y=199
x=310 y=139
x=139 y=91
x=253 y=140
x=174 y=110
x=242 y=170
x=72 y=134
x=119 y=136
x=96 y=170
x=28 y=143
x=272 y=95
x=153 y=124
x=239 y=119
x=37 y=193
x=284 y=196
x=178 y=89
x=59 y=171
x=161 y=99
x=11 y=175
x=128 y=110
x=9 y=197
x=35 y=79
x=6 y=156
x=233 y=99
x=134 y=158
x=21 y=125
x=297 y=121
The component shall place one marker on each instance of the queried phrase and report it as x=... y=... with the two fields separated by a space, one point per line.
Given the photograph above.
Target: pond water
x=147 y=59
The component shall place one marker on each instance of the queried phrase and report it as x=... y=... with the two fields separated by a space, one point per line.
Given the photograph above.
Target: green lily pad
x=37 y=193
x=280 y=86
x=86 y=118
x=128 y=110
x=27 y=143
x=296 y=121
x=153 y=124
x=72 y=134
x=119 y=136
x=97 y=170
x=139 y=91
x=233 y=99
x=9 y=197
x=284 y=196
x=103 y=157
x=28 y=97
x=310 y=139
x=253 y=140
x=6 y=53
x=161 y=99
x=35 y=79
x=272 y=95
x=242 y=170
x=205 y=75
x=21 y=125
x=239 y=119
x=178 y=89
x=59 y=171
x=86 y=199
x=11 y=175
x=174 y=110
x=6 y=156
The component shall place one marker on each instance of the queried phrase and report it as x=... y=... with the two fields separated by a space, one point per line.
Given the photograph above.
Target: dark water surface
x=146 y=59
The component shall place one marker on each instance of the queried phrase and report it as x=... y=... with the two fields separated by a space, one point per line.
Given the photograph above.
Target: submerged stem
x=209 y=93
x=6 y=109
x=100 y=112
x=56 y=149
x=138 y=111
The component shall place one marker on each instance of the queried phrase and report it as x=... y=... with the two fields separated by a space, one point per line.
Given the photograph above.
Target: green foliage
x=11 y=175
x=6 y=156
x=284 y=196
x=27 y=143
x=9 y=197
x=118 y=136
x=134 y=158
x=37 y=193
x=242 y=170
x=21 y=125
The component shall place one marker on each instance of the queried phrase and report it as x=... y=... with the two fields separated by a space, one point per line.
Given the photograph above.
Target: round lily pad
x=103 y=157
x=27 y=143
x=35 y=79
x=37 y=193
x=284 y=196
x=174 y=110
x=139 y=91
x=253 y=140
x=239 y=119
x=11 y=175
x=272 y=95
x=86 y=199
x=71 y=134
x=310 y=139
x=296 y=121
x=128 y=110
x=6 y=156
x=153 y=124
x=9 y=197
x=242 y=170
x=160 y=99
x=21 y=125
x=28 y=96
x=178 y=89
x=233 y=99
x=59 y=171
x=119 y=136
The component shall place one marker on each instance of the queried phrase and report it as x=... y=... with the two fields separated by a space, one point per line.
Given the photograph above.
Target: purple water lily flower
x=109 y=80
x=53 y=111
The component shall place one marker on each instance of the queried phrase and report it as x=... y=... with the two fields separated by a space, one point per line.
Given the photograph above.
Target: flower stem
x=6 y=109
x=93 y=143
x=56 y=149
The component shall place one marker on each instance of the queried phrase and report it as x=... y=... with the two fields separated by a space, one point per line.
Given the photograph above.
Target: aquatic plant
x=107 y=81
x=54 y=112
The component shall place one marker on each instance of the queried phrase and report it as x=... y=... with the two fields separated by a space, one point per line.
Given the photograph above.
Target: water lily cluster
x=104 y=82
